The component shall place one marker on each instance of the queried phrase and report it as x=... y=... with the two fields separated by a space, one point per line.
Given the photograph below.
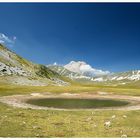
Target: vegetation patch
x=77 y=103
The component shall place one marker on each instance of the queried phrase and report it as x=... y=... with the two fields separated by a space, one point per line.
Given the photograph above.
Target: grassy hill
x=17 y=70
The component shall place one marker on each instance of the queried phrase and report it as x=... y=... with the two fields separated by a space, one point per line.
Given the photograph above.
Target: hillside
x=17 y=70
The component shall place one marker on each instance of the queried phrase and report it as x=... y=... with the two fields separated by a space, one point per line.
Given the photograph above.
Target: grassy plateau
x=18 y=122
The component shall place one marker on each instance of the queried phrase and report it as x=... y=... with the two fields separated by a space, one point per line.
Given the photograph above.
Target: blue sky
x=107 y=36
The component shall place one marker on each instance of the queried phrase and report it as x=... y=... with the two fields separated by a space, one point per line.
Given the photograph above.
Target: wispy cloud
x=55 y=63
x=7 y=40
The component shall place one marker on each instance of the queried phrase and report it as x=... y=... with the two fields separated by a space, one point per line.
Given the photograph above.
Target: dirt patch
x=69 y=94
x=102 y=93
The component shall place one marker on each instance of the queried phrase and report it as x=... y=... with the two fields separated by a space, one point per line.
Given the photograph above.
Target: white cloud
x=1 y=41
x=55 y=63
x=7 y=40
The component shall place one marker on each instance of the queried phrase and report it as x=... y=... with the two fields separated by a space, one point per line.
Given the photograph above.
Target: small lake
x=67 y=103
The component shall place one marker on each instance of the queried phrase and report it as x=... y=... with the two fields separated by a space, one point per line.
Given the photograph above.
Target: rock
x=9 y=70
x=37 y=135
x=124 y=116
x=113 y=117
x=59 y=82
x=35 y=94
x=36 y=127
x=102 y=93
x=107 y=124
x=24 y=122
x=123 y=136
x=92 y=113
x=95 y=125
x=88 y=119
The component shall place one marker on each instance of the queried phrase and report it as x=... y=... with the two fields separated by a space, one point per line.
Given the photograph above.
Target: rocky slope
x=17 y=70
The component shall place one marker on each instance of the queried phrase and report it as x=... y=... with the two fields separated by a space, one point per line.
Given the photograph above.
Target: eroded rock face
x=60 y=82
x=9 y=70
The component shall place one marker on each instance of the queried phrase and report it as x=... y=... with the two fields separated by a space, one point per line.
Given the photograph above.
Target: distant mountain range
x=17 y=70
x=81 y=71
x=121 y=78
x=67 y=73
x=85 y=69
x=78 y=71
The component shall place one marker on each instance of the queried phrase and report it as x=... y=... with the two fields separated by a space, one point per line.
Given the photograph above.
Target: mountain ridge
x=17 y=70
x=85 y=69
x=15 y=67
x=120 y=78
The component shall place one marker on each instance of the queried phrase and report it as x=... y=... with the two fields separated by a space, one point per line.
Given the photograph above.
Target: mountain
x=65 y=72
x=17 y=70
x=128 y=78
x=82 y=72
x=78 y=71
x=84 y=69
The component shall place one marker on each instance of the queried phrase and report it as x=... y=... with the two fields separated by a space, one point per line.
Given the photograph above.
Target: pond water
x=77 y=103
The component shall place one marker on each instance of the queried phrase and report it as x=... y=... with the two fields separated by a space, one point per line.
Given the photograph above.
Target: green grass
x=11 y=90
x=40 y=123
x=17 y=122
x=76 y=103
